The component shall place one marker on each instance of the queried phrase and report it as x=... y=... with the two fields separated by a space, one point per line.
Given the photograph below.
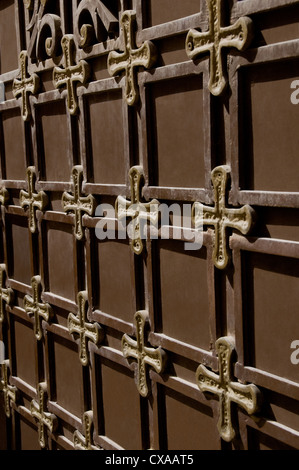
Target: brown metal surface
x=75 y=348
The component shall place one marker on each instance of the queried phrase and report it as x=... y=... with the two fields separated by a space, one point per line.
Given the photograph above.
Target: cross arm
x=129 y=347
x=247 y=396
x=238 y=35
x=207 y=380
x=198 y=43
x=241 y=219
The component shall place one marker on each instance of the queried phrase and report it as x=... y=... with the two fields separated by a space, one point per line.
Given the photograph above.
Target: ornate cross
x=25 y=86
x=138 y=211
x=76 y=203
x=131 y=58
x=246 y=396
x=6 y=295
x=215 y=40
x=152 y=357
x=34 y=306
x=32 y=200
x=77 y=324
x=71 y=74
x=81 y=442
x=222 y=217
x=45 y=420
x=10 y=392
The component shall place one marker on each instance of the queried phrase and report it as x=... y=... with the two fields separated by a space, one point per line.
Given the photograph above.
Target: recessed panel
x=68 y=376
x=121 y=403
x=116 y=288
x=269 y=149
x=163 y=11
x=17 y=232
x=61 y=260
x=184 y=300
x=13 y=145
x=185 y=420
x=55 y=142
x=270 y=287
x=8 y=37
x=107 y=160
x=176 y=137
x=28 y=435
x=25 y=352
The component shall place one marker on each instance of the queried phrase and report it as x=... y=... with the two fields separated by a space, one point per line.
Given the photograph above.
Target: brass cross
x=34 y=306
x=32 y=200
x=81 y=442
x=76 y=203
x=152 y=357
x=45 y=420
x=24 y=86
x=217 y=38
x=138 y=211
x=10 y=392
x=131 y=58
x=71 y=74
x=245 y=396
x=222 y=217
x=77 y=324
x=6 y=295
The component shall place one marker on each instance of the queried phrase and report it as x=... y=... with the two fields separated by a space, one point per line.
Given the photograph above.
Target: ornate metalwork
x=32 y=200
x=76 y=203
x=85 y=442
x=86 y=331
x=131 y=58
x=44 y=419
x=41 y=23
x=9 y=391
x=215 y=40
x=97 y=11
x=25 y=86
x=138 y=211
x=71 y=74
x=222 y=217
x=145 y=355
x=6 y=295
x=34 y=306
x=228 y=391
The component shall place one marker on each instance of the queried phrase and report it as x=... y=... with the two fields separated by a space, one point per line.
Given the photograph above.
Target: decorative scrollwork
x=94 y=22
x=45 y=28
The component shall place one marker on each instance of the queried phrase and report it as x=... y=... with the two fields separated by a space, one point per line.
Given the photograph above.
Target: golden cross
x=6 y=295
x=245 y=396
x=222 y=217
x=24 y=86
x=10 y=392
x=32 y=200
x=76 y=203
x=71 y=74
x=131 y=58
x=138 y=211
x=152 y=357
x=77 y=324
x=217 y=38
x=34 y=306
x=45 y=420
x=81 y=442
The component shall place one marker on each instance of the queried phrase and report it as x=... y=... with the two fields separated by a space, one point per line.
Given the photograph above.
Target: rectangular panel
x=176 y=138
